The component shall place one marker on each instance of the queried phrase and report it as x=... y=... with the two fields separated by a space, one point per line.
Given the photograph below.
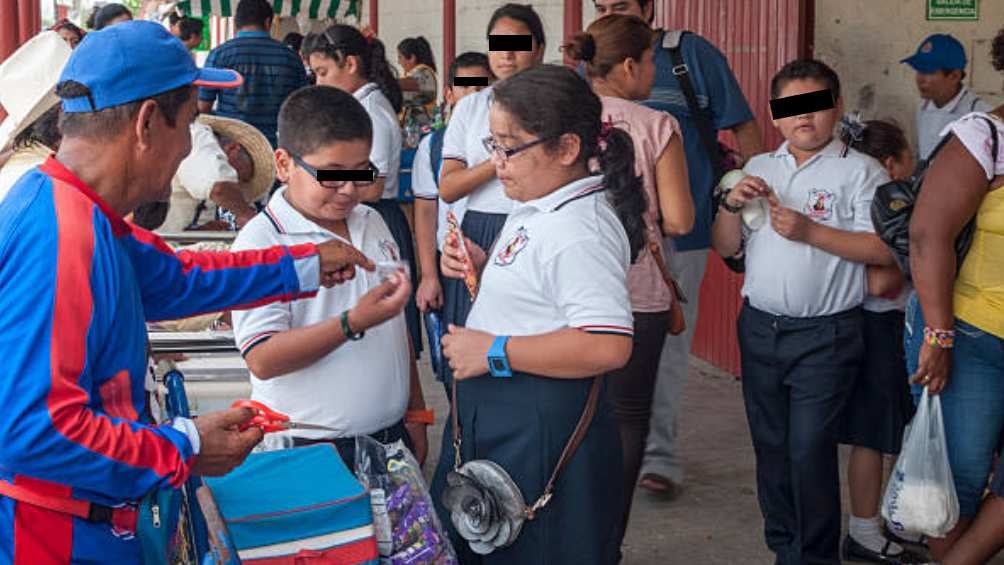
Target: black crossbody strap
x=672 y=42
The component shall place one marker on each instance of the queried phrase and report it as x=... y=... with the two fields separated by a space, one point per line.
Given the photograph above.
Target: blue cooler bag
x=296 y=506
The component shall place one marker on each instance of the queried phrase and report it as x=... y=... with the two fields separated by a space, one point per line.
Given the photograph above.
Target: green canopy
x=315 y=9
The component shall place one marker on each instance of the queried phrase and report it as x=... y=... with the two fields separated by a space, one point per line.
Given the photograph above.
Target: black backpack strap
x=672 y=42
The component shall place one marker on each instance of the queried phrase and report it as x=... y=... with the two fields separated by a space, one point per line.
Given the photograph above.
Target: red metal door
x=757 y=37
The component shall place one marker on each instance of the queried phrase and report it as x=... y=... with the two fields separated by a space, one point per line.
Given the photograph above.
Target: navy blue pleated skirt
x=523 y=423
x=396 y=221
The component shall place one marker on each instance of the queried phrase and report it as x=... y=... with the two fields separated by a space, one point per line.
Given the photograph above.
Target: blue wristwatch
x=498 y=362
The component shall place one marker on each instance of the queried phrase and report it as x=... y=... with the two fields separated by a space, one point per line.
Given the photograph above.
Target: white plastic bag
x=920 y=497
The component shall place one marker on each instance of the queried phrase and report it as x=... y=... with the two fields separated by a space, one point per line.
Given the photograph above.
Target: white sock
x=868 y=532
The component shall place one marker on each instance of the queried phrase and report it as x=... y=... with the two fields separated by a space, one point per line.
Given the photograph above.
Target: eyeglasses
x=504 y=154
x=337 y=178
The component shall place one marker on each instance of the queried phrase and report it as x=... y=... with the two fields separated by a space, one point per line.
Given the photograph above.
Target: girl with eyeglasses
x=552 y=314
x=344 y=58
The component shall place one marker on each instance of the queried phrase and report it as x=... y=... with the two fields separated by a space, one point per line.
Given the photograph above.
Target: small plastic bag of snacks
x=920 y=497
x=408 y=531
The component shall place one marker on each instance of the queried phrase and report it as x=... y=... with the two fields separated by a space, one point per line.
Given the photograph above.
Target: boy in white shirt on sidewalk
x=344 y=361
x=800 y=329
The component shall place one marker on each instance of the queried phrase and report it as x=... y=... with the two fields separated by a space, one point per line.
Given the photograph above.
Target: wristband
x=944 y=339
x=347 y=330
x=427 y=417
x=724 y=204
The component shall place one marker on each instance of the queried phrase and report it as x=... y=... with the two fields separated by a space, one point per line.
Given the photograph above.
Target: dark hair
x=294 y=41
x=187 y=27
x=340 y=41
x=101 y=17
x=805 y=69
x=108 y=123
x=879 y=139
x=610 y=41
x=997 y=50
x=67 y=25
x=44 y=130
x=521 y=13
x=314 y=116
x=551 y=100
x=419 y=48
x=253 y=13
x=466 y=60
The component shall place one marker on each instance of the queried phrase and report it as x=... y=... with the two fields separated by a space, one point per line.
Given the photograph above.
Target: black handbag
x=892 y=208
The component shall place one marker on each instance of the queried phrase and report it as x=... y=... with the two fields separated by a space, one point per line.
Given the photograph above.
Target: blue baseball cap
x=938 y=52
x=133 y=61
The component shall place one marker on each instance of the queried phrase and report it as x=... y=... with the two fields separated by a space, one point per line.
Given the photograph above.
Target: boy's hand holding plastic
x=747 y=189
x=381 y=303
x=339 y=261
x=224 y=446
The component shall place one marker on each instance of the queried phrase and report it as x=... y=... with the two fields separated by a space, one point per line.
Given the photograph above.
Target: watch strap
x=347 y=329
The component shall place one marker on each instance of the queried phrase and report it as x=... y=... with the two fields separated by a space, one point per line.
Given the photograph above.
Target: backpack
x=892 y=208
x=436 y=152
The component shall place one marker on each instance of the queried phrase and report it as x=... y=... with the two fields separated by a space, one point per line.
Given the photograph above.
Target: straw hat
x=257 y=147
x=28 y=80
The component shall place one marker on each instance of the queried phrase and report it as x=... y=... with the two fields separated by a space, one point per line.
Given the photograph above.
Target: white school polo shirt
x=361 y=387
x=790 y=278
x=424 y=186
x=197 y=174
x=463 y=142
x=560 y=261
x=931 y=120
x=386 y=150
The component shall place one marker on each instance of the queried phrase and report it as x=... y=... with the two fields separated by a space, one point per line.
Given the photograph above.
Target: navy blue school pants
x=797 y=374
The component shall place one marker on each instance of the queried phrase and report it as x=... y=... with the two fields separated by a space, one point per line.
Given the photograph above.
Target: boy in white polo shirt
x=800 y=327
x=345 y=360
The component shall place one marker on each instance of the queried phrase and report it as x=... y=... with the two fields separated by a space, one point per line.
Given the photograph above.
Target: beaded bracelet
x=945 y=339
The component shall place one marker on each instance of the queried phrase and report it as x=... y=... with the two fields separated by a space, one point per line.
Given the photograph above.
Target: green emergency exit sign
x=957 y=10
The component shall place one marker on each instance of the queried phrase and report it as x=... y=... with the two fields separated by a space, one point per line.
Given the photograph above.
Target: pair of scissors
x=271 y=421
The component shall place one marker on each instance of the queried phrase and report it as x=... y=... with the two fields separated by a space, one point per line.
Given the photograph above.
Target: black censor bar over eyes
x=471 y=81
x=510 y=42
x=345 y=175
x=801 y=104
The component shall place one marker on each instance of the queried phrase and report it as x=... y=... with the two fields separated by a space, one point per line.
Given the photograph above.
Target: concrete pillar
x=449 y=33
x=573 y=23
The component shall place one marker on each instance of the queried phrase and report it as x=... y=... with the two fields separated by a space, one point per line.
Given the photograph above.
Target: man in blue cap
x=940 y=62
x=78 y=445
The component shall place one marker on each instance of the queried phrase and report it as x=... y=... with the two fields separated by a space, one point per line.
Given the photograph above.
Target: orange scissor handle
x=264 y=417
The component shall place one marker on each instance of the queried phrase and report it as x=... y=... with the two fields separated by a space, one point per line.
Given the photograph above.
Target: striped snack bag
x=470 y=275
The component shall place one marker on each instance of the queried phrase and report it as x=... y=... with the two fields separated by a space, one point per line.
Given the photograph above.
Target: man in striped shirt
x=271 y=71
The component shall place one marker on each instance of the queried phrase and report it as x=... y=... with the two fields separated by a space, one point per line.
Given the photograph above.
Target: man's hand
x=224 y=446
x=430 y=293
x=788 y=223
x=467 y=351
x=339 y=261
x=381 y=303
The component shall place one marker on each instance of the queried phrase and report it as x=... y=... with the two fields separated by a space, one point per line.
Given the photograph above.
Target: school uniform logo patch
x=510 y=250
x=819 y=205
x=389 y=250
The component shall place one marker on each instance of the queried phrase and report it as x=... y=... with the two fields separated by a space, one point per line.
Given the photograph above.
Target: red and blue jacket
x=77 y=286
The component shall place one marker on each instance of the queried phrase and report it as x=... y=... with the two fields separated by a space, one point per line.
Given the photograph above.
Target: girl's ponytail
x=381 y=73
x=624 y=188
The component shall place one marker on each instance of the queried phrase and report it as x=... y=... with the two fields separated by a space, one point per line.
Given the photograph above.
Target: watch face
x=499 y=366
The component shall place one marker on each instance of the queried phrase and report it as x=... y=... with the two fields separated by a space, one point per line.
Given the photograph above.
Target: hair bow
x=851 y=127
x=606 y=129
x=368 y=34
